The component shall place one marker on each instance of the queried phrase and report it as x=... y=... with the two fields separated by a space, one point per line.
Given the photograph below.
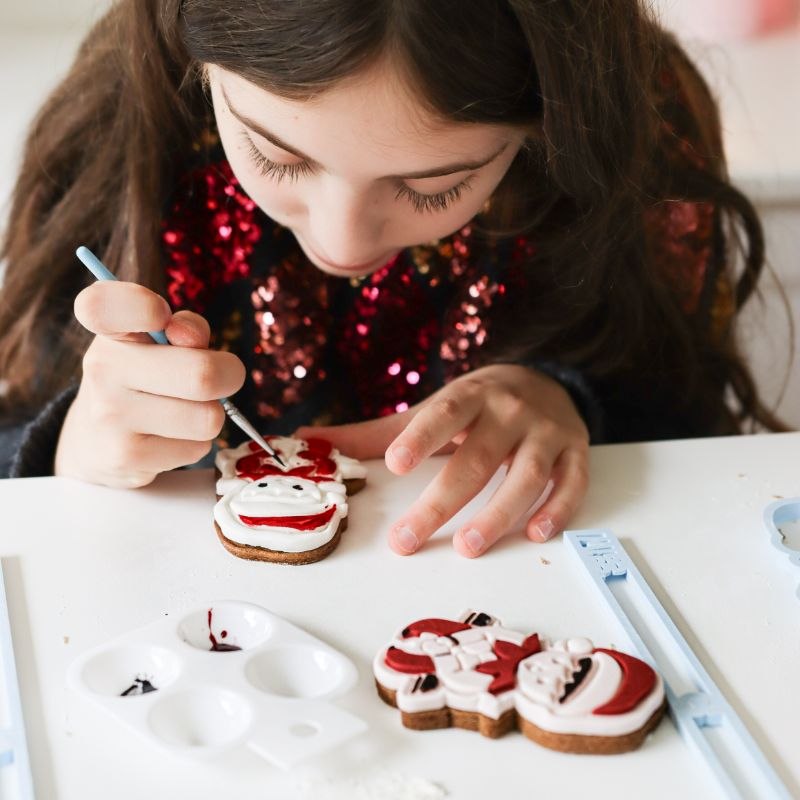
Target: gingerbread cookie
x=291 y=515
x=473 y=673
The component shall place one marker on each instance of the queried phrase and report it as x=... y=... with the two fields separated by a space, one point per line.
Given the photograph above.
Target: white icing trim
x=289 y=449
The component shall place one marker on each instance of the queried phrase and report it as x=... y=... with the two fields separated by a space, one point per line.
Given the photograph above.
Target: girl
x=496 y=228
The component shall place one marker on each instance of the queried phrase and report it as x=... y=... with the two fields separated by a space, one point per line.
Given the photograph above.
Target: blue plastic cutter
x=702 y=715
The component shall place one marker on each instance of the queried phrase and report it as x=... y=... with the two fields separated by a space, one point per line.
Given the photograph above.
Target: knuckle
x=197 y=450
x=93 y=363
x=534 y=472
x=480 y=463
x=512 y=405
x=580 y=476
x=471 y=387
x=548 y=429
x=211 y=419
x=446 y=409
x=122 y=454
x=436 y=513
x=202 y=377
x=499 y=519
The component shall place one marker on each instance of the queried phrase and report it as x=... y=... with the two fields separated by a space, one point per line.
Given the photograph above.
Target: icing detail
x=308 y=522
x=439 y=627
x=637 y=682
x=408 y=662
x=566 y=687
x=313 y=459
x=504 y=669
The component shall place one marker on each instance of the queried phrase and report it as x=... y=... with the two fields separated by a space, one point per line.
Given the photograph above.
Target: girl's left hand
x=500 y=414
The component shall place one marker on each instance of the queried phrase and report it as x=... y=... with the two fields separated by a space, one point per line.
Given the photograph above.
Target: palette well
x=226 y=675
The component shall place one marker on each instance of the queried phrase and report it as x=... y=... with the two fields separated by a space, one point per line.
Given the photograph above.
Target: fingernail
x=544 y=529
x=403 y=456
x=406 y=539
x=474 y=541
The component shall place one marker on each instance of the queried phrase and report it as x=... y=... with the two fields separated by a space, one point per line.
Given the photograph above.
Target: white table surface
x=85 y=564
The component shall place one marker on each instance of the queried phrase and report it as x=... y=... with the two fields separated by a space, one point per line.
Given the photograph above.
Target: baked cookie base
x=510 y=720
x=451 y=718
x=255 y=553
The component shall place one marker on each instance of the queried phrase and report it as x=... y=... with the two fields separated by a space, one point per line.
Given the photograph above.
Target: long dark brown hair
x=592 y=80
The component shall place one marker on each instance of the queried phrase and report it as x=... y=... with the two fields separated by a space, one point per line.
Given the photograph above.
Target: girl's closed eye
x=422 y=202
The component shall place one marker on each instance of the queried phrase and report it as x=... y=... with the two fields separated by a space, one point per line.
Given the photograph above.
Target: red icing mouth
x=259 y=464
x=305 y=522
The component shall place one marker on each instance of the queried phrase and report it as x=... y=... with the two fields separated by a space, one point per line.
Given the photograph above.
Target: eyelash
x=422 y=203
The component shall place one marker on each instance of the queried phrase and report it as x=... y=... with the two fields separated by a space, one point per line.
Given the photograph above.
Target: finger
x=116 y=308
x=462 y=477
x=444 y=417
x=187 y=329
x=571 y=476
x=182 y=372
x=525 y=481
x=363 y=440
x=137 y=455
x=169 y=417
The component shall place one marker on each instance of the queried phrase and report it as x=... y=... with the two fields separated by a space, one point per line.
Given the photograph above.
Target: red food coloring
x=305 y=522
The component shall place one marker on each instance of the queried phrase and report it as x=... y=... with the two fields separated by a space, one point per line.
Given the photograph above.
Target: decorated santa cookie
x=474 y=673
x=293 y=514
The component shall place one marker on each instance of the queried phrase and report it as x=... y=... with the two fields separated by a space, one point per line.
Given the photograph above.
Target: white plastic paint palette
x=227 y=675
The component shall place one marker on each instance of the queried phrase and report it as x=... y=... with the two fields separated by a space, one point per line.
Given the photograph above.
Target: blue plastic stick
x=700 y=712
x=780 y=513
x=13 y=747
x=103 y=273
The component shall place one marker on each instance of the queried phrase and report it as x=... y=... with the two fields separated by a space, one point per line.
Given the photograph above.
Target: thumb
x=361 y=440
x=187 y=329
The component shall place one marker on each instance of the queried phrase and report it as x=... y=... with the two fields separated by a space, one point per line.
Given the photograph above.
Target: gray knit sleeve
x=28 y=450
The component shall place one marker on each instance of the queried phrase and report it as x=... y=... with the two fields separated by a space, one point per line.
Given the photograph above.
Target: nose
x=345 y=226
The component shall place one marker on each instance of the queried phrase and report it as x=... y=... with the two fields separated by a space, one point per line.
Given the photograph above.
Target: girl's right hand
x=142 y=408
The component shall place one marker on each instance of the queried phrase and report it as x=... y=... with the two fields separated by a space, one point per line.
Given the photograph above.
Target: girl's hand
x=142 y=408
x=500 y=414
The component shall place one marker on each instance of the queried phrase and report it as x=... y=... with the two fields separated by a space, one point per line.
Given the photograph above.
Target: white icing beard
x=290 y=451
x=280 y=496
x=541 y=682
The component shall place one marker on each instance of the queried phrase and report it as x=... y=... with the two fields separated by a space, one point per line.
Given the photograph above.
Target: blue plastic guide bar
x=15 y=768
x=702 y=715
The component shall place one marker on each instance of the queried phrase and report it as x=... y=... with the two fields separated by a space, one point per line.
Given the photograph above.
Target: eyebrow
x=436 y=172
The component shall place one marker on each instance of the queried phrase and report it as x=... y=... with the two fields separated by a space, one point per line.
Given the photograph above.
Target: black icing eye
x=299 y=488
x=261 y=485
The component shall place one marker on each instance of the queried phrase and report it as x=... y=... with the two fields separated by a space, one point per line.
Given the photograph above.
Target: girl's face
x=361 y=171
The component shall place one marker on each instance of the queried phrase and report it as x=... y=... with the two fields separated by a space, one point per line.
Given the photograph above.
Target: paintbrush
x=102 y=273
